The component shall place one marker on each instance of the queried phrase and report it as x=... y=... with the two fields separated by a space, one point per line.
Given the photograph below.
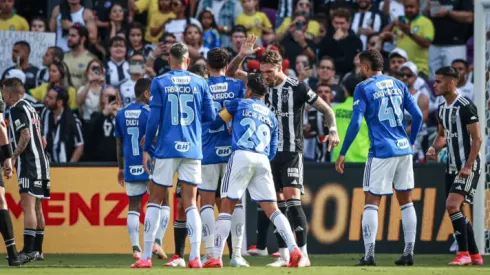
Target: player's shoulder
x=294 y=82
x=464 y=102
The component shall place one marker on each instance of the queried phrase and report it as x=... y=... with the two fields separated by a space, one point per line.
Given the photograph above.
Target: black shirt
x=342 y=51
x=31 y=74
x=448 y=31
x=293 y=49
x=101 y=143
x=161 y=66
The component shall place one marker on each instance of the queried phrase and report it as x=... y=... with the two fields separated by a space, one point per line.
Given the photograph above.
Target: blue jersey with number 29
x=130 y=128
x=184 y=103
x=216 y=143
x=254 y=126
x=382 y=100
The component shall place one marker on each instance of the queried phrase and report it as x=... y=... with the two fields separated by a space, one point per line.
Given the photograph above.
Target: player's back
x=216 y=143
x=383 y=99
x=130 y=127
x=185 y=100
x=254 y=126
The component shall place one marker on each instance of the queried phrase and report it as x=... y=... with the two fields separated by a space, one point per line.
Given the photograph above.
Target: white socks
x=409 y=222
x=207 y=217
x=152 y=221
x=164 y=218
x=369 y=228
x=194 y=228
x=284 y=228
x=133 y=222
x=237 y=227
x=221 y=233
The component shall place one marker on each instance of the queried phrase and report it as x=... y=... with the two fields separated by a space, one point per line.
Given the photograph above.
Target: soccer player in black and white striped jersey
x=287 y=98
x=459 y=130
x=32 y=164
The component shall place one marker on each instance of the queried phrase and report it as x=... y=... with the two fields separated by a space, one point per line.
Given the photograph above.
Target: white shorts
x=381 y=176
x=189 y=171
x=136 y=188
x=211 y=175
x=248 y=170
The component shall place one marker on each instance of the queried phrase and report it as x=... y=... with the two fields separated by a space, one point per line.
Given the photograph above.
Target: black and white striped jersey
x=32 y=162
x=287 y=101
x=455 y=118
x=116 y=73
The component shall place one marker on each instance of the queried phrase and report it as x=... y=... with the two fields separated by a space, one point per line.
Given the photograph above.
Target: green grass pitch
x=322 y=265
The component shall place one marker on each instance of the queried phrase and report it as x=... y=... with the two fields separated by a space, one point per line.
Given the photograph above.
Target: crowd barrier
x=87 y=212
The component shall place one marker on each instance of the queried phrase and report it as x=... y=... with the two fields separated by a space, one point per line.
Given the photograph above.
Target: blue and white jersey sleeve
x=232 y=106
x=117 y=126
x=360 y=101
x=155 y=94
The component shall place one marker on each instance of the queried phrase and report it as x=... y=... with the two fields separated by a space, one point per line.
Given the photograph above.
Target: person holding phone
x=88 y=96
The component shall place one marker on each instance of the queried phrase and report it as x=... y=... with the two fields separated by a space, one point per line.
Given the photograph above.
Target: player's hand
x=7 y=168
x=431 y=153
x=339 y=164
x=465 y=172
x=333 y=139
x=146 y=162
x=248 y=46
x=120 y=177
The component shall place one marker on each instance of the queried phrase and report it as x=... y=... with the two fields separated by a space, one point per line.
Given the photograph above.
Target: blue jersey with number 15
x=130 y=128
x=382 y=100
x=254 y=126
x=216 y=143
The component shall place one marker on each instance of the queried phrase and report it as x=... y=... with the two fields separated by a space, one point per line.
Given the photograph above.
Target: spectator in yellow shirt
x=160 y=18
x=255 y=21
x=153 y=9
x=313 y=28
x=9 y=21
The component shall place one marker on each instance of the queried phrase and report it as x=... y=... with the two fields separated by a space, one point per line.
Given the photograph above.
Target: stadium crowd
x=103 y=47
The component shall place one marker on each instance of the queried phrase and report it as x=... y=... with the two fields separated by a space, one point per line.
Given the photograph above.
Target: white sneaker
x=254 y=251
x=304 y=262
x=239 y=261
x=175 y=261
x=280 y=262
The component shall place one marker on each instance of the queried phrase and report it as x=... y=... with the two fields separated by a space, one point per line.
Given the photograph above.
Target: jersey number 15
x=181 y=103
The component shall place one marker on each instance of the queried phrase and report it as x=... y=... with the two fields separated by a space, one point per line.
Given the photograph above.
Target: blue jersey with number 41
x=382 y=100
x=185 y=102
x=216 y=143
x=254 y=126
x=130 y=128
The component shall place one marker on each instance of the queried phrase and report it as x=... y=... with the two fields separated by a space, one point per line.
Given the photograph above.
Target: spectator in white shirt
x=465 y=87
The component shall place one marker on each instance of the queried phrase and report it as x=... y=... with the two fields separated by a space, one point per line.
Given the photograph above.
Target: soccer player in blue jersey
x=180 y=102
x=129 y=130
x=216 y=145
x=254 y=144
x=382 y=100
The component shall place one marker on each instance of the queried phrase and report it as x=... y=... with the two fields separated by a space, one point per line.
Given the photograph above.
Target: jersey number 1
x=386 y=112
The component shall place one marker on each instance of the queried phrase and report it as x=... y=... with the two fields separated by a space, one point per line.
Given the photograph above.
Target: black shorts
x=464 y=186
x=287 y=170
x=37 y=188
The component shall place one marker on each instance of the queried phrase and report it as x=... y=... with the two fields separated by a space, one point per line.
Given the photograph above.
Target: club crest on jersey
x=223 y=151
x=181 y=79
x=132 y=113
x=182 y=146
x=136 y=170
x=285 y=96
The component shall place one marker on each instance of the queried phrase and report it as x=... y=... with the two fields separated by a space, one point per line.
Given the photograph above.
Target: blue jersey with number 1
x=254 y=126
x=130 y=128
x=382 y=100
x=180 y=102
x=216 y=143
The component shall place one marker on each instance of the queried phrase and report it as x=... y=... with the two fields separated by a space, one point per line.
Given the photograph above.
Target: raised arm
x=246 y=50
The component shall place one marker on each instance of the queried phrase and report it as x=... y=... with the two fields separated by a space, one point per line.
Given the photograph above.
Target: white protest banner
x=39 y=42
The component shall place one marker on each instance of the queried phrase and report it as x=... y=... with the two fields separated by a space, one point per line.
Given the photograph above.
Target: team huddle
x=234 y=132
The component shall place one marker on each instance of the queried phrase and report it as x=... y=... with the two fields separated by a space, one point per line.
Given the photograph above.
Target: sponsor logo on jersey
x=38 y=183
x=293 y=172
x=136 y=170
x=219 y=87
x=282 y=114
x=18 y=124
x=223 y=151
x=385 y=84
x=459 y=180
x=261 y=109
x=132 y=113
x=182 y=146
x=402 y=143
x=450 y=135
x=181 y=79
x=387 y=92
x=285 y=96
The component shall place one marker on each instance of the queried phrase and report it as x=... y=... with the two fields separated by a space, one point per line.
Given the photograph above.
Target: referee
x=459 y=130
x=287 y=98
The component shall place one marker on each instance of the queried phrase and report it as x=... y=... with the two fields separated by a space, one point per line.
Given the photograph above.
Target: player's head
x=218 y=59
x=21 y=50
x=350 y=84
x=271 y=66
x=179 y=56
x=371 y=62
x=446 y=80
x=199 y=69
x=463 y=68
x=256 y=85
x=13 y=90
x=56 y=98
x=142 y=90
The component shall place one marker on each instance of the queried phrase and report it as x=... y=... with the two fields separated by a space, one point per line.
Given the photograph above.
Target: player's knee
x=291 y=193
x=227 y=205
x=404 y=197
x=269 y=208
x=207 y=198
x=452 y=206
x=135 y=204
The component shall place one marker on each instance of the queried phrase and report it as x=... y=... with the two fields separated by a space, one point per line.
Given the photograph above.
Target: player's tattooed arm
x=328 y=114
x=120 y=155
x=234 y=68
x=25 y=137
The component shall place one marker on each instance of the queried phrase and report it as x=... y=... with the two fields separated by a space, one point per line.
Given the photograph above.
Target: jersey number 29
x=386 y=112
x=262 y=132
